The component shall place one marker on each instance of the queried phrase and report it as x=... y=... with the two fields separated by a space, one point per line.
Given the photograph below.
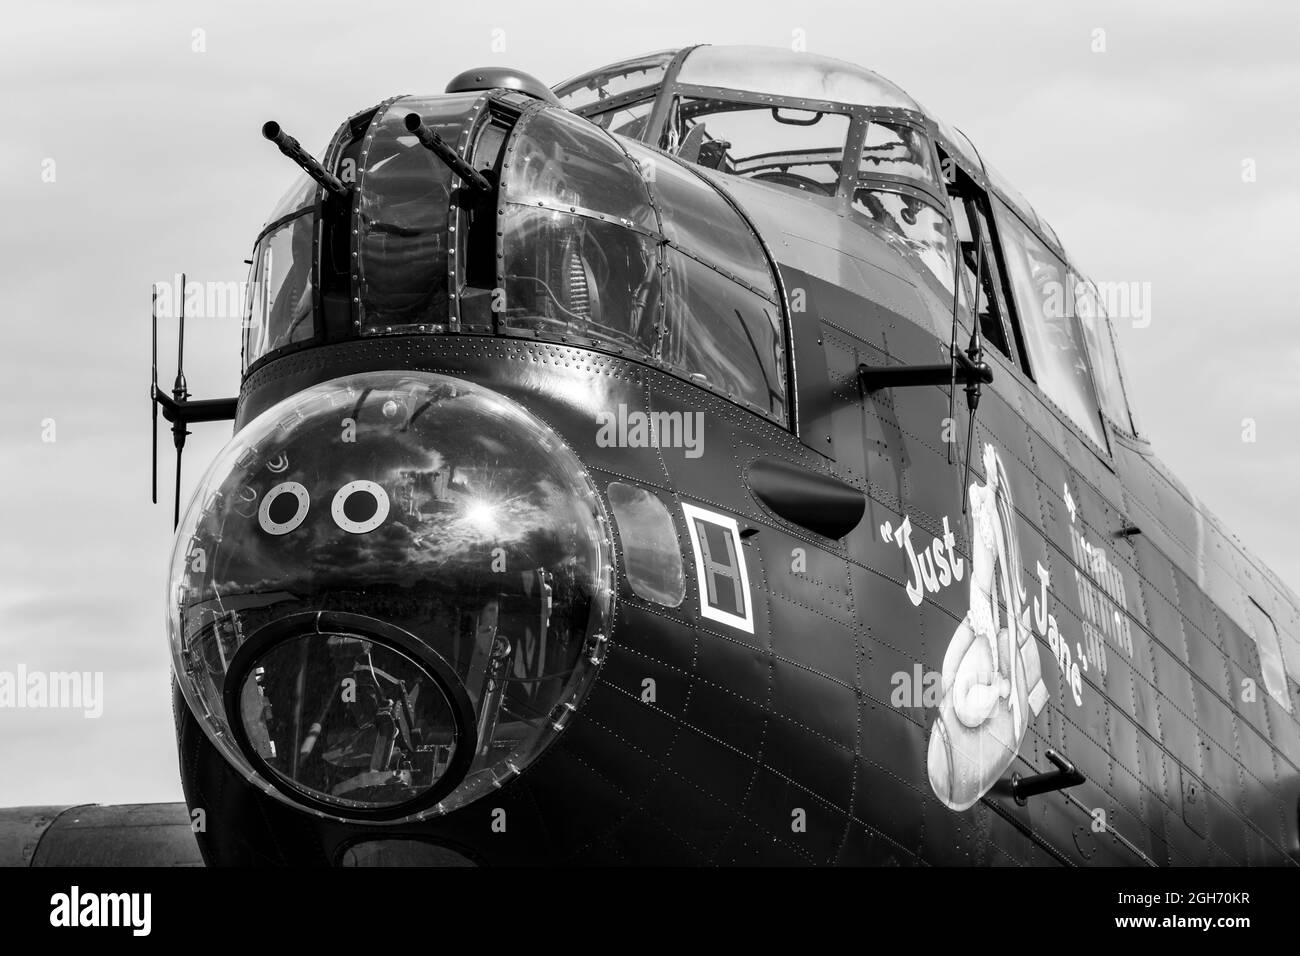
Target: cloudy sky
x=1134 y=154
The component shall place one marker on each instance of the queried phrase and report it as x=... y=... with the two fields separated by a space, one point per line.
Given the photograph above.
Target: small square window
x=720 y=568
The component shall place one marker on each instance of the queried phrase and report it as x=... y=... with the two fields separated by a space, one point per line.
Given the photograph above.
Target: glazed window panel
x=1044 y=298
x=299 y=196
x=967 y=210
x=564 y=162
x=918 y=224
x=788 y=73
x=280 y=297
x=959 y=141
x=403 y=209
x=699 y=220
x=896 y=149
x=591 y=88
x=627 y=121
x=1011 y=196
x=1272 y=665
x=723 y=336
x=573 y=275
x=799 y=149
x=652 y=558
x=1100 y=336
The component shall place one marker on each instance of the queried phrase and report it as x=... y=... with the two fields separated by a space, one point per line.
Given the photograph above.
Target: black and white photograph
x=650 y=437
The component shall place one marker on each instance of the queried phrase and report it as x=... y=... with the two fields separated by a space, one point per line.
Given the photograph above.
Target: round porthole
x=350 y=716
x=283 y=508
x=360 y=506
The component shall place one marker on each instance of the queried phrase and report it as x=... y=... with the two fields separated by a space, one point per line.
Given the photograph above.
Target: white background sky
x=1134 y=155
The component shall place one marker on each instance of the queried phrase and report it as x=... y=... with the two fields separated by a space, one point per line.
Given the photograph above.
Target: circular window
x=283 y=508
x=360 y=506
x=385 y=724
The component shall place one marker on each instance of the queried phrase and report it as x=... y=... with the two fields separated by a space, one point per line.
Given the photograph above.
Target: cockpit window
x=626 y=121
x=561 y=162
x=683 y=282
x=1012 y=196
x=915 y=222
x=574 y=275
x=720 y=299
x=1106 y=366
x=572 y=265
x=280 y=291
x=1045 y=302
x=896 y=149
x=299 y=196
x=783 y=72
x=970 y=209
x=801 y=149
x=611 y=81
x=697 y=219
x=724 y=336
x=958 y=141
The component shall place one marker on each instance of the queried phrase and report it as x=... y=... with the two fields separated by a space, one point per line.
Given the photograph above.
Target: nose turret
x=390 y=592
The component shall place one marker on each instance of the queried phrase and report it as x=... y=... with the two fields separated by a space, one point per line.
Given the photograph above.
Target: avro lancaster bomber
x=710 y=460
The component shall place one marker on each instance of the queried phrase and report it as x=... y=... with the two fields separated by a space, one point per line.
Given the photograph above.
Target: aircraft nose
x=389 y=594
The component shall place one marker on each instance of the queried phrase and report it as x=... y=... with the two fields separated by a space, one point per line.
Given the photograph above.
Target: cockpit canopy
x=836 y=132
x=794 y=119
x=851 y=141
x=798 y=119
x=748 y=69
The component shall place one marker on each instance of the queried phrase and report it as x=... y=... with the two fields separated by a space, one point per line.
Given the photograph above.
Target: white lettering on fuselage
x=1102 y=598
x=1045 y=625
x=935 y=567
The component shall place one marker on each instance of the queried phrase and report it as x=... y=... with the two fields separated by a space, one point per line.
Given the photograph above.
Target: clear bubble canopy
x=389 y=594
x=780 y=72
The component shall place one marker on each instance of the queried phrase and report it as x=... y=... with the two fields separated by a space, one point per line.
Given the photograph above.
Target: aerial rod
x=179 y=408
x=180 y=394
x=975 y=357
x=153 y=387
x=952 y=346
x=438 y=146
x=309 y=164
x=180 y=388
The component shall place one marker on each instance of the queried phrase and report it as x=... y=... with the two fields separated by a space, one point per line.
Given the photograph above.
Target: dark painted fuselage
x=808 y=739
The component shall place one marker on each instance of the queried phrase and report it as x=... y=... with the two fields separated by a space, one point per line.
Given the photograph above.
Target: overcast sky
x=1134 y=154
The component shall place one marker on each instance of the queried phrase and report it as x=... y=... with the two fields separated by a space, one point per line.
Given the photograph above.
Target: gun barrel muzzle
x=308 y=163
x=438 y=146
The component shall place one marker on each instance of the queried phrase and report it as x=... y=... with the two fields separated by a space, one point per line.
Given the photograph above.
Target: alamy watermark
x=636 y=429
x=74 y=908
x=22 y=689
x=202 y=300
x=1127 y=300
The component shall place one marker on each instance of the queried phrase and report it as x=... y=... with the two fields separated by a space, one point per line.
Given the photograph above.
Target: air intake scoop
x=813 y=500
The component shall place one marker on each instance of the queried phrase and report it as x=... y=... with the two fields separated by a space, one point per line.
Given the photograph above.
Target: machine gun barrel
x=310 y=165
x=438 y=146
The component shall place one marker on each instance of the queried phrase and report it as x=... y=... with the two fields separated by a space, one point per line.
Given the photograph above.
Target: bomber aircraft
x=709 y=460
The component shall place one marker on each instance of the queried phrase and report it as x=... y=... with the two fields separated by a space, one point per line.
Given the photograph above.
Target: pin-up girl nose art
x=991 y=680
